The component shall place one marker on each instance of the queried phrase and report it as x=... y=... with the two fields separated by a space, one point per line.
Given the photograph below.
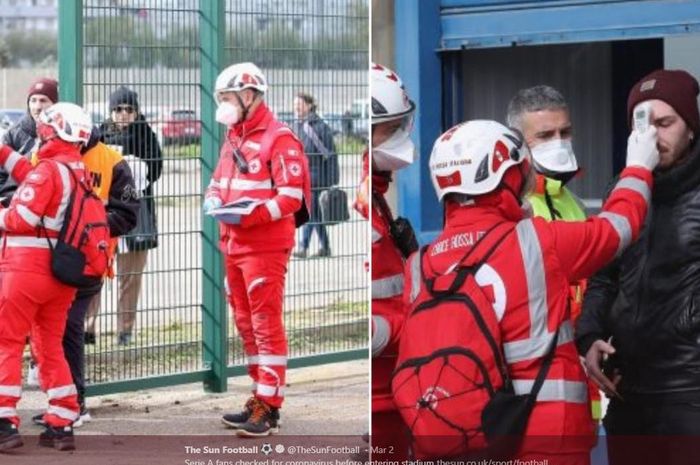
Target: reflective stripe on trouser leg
x=54 y=371
x=265 y=297
x=16 y=315
x=240 y=308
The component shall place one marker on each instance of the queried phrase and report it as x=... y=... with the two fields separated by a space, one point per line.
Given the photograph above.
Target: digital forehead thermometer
x=641 y=116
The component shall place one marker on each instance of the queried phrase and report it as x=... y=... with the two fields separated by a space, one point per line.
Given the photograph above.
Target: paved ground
x=326 y=406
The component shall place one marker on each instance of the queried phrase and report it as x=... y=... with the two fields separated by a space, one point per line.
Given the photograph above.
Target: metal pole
x=70 y=51
x=212 y=32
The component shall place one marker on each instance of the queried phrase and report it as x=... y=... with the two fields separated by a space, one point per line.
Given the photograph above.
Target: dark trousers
x=653 y=431
x=74 y=342
x=315 y=222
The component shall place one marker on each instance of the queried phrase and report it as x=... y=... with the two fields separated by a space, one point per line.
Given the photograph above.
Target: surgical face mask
x=398 y=150
x=394 y=153
x=228 y=114
x=555 y=157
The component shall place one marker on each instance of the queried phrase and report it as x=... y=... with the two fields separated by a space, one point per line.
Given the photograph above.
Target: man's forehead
x=661 y=109
x=39 y=97
x=546 y=119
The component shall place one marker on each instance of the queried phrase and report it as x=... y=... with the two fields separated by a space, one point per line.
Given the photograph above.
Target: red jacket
x=44 y=193
x=527 y=278
x=280 y=177
x=387 y=307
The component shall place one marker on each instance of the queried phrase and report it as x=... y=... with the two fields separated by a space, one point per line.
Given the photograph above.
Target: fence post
x=214 y=319
x=70 y=51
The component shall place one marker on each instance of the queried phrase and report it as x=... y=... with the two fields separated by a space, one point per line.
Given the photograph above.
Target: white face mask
x=555 y=156
x=228 y=114
x=394 y=153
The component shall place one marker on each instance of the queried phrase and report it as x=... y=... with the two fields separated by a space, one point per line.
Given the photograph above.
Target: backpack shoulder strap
x=464 y=270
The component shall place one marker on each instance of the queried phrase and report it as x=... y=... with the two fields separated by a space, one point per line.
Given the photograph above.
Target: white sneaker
x=82 y=419
x=33 y=375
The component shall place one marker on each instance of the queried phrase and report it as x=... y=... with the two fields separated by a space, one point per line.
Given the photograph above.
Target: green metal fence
x=170 y=52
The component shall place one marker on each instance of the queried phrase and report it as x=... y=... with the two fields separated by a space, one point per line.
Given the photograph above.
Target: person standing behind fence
x=31 y=298
x=128 y=130
x=22 y=135
x=319 y=147
x=260 y=159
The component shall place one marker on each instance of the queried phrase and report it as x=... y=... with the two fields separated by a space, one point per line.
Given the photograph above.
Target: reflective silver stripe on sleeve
x=62 y=412
x=637 y=185
x=527 y=349
x=62 y=391
x=555 y=390
x=214 y=183
x=11 y=162
x=3 y=213
x=272 y=360
x=293 y=192
x=534 y=277
x=415 y=276
x=29 y=216
x=274 y=209
x=252 y=359
x=384 y=288
x=7 y=412
x=380 y=336
x=245 y=184
x=28 y=241
x=622 y=227
x=11 y=391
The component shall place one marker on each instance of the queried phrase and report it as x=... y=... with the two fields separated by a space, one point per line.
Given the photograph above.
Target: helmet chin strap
x=245 y=108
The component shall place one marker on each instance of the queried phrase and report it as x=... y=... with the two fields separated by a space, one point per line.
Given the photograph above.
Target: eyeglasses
x=126 y=109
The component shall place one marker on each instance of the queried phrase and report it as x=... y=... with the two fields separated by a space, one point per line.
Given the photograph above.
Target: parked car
x=8 y=117
x=356 y=119
x=181 y=126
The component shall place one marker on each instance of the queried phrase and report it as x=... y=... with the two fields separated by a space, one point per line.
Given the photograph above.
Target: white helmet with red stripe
x=471 y=158
x=241 y=76
x=389 y=98
x=70 y=122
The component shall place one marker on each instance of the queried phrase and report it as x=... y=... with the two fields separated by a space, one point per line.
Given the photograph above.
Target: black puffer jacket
x=22 y=138
x=649 y=299
x=138 y=139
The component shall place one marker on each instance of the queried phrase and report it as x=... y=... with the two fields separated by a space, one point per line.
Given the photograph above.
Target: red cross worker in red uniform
x=481 y=172
x=392 y=149
x=262 y=162
x=31 y=298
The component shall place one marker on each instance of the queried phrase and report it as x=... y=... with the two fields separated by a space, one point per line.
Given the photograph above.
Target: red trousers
x=37 y=303
x=255 y=285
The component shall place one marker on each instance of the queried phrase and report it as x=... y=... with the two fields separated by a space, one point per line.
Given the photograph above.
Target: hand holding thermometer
x=641 y=117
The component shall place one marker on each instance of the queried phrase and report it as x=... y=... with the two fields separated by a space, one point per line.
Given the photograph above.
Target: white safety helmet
x=390 y=103
x=241 y=76
x=71 y=122
x=389 y=98
x=472 y=157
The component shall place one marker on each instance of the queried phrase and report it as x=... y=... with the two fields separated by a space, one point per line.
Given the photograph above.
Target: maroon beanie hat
x=675 y=87
x=44 y=86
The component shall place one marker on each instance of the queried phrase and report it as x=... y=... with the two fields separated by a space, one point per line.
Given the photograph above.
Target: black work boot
x=236 y=420
x=58 y=437
x=263 y=421
x=9 y=435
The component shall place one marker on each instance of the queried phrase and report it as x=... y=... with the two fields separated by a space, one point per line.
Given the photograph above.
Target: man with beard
x=647 y=300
